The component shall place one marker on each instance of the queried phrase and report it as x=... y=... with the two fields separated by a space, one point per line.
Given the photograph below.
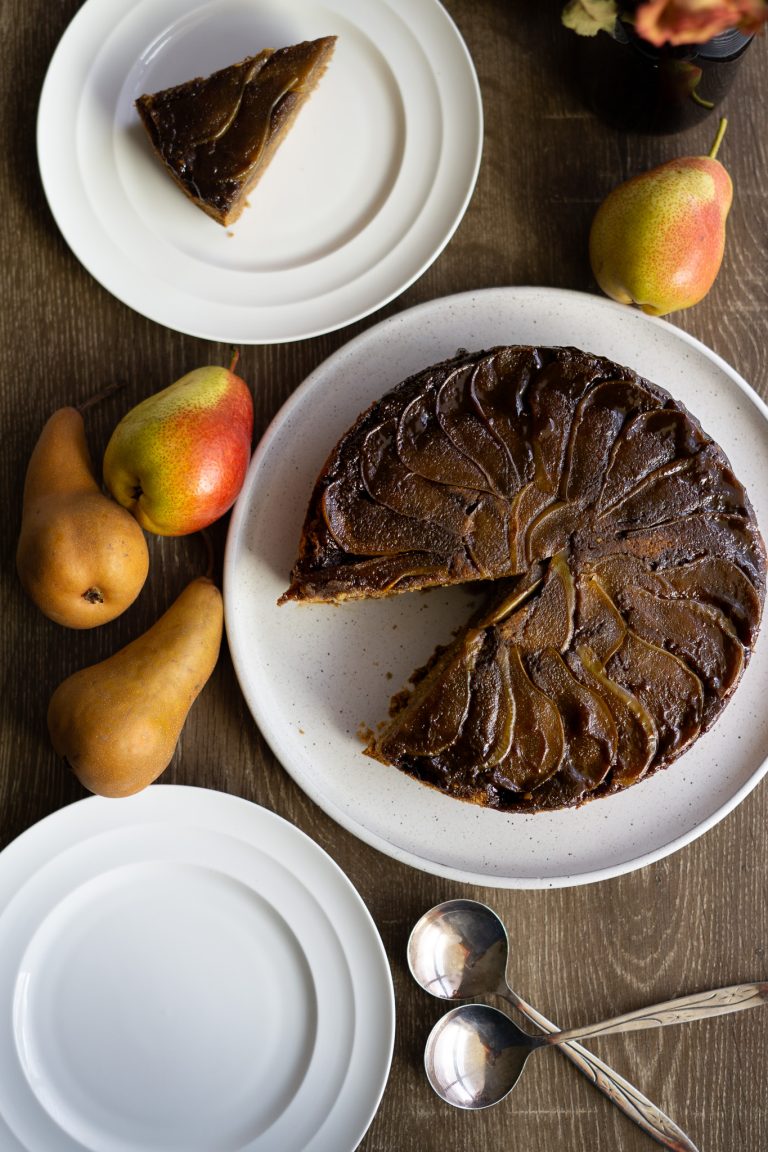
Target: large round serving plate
x=316 y=676
x=182 y=971
x=360 y=198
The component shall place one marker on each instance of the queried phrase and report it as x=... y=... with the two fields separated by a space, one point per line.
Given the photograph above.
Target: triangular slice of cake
x=216 y=135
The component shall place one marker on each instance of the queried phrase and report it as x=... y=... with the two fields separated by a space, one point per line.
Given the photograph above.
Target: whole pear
x=657 y=241
x=178 y=459
x=117 y=723
x=81 y=558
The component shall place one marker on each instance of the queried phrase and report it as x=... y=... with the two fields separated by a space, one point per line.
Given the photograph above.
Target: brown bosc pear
x=81 y=558
x=117 y=723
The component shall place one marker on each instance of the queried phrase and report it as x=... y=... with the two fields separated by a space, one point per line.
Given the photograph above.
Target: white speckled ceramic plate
x=314 y=675
x=183 y=971
x=360 y=198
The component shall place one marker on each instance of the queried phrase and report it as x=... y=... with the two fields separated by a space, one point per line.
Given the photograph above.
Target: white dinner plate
x=360 y=198
x=316 y=677
x=183 y=971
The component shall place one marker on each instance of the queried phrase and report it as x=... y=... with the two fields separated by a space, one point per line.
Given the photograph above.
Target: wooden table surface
x=698 y=918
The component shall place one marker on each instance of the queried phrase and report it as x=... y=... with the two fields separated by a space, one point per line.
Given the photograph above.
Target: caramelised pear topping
x=637 y=736
x=665 y=686
x=696 y=632
x=601 y=625
x=216 y=134
x=436 y=712
x=546 y=618
x=601 y=417
x=716 y=581
x=590 y=729
x=539 y=740
x=629 y=570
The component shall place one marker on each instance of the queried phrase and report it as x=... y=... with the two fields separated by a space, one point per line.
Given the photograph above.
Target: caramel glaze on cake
x=216 y=135
x=628 y=570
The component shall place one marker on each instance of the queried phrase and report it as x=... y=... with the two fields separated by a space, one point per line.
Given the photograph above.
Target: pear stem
x=718 y=138
x=99 y=396
x=234 y=360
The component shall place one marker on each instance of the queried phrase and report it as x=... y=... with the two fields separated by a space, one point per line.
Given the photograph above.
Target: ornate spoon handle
x=699 y=1006
x=618 y=1090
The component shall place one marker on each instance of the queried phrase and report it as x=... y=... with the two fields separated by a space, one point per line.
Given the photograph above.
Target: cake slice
x=216 y=135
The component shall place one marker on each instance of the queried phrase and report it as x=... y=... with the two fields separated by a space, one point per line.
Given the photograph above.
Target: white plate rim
x=527 y=297
x=66 y=188
x=195 y=809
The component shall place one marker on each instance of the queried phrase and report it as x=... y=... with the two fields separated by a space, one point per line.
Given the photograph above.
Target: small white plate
x=183 y=971
x=315 y=676
x=360 y=198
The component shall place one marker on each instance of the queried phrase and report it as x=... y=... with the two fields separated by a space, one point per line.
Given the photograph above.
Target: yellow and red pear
x=178 y=459
x=657 y=240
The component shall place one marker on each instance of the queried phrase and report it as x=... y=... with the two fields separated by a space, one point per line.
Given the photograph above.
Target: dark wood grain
x=696 y=919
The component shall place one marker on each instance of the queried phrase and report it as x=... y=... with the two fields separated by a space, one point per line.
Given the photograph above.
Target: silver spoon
x=475 y=1054
x=458 y=951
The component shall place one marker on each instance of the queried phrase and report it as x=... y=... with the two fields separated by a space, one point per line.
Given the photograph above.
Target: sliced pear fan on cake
x=627 y=570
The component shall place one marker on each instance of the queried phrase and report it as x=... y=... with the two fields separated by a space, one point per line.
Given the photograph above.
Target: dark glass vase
x=630 y=84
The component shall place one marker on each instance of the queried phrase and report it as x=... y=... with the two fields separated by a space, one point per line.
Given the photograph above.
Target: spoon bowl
x=458 y=951
x=475 y=1056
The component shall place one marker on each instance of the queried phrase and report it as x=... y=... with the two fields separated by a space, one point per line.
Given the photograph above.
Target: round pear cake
x=624 y=569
